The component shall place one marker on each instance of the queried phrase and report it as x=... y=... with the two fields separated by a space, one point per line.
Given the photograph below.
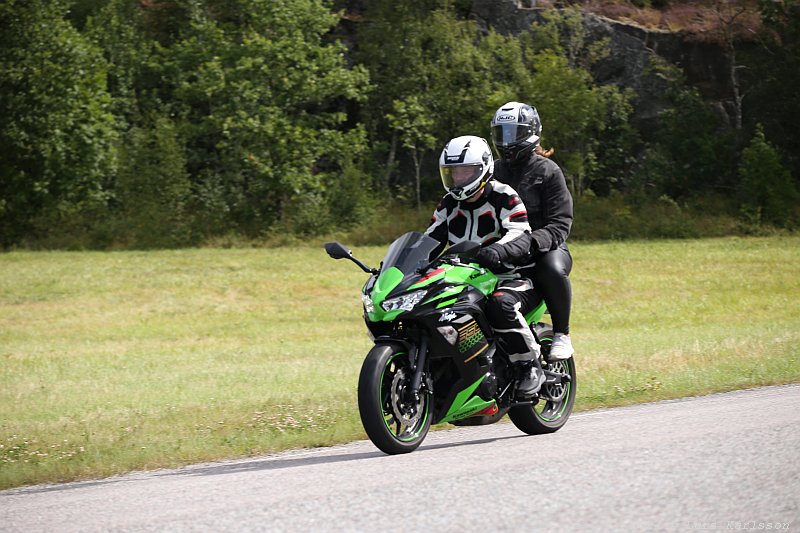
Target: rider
x=479 y=209
x=526 y=167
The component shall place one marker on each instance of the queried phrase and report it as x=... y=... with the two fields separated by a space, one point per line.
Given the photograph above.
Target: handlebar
x=450 y=260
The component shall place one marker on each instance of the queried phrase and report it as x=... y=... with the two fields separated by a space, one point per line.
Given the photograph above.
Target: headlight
x=369 y=307
x=406 y=302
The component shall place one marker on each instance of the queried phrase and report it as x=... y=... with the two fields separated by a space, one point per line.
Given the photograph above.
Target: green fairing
x=385 y=284
x=428 y=281
x=452 y=291
x=465 y=404
x=484 y=281
x=536 y=314
x=446 y=303
x=459 y=276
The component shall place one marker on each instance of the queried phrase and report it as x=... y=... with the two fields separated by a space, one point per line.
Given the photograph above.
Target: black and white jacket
x=497 y=219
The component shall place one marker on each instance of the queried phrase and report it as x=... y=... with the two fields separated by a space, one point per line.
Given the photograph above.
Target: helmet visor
x=459 y=176
x=510 y=134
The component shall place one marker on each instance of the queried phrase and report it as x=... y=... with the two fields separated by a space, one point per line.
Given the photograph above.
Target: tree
x=766 y=191
x=777 y=75
x=56 y=130
x=390 y=43
x=580 y=118
x=258 y=94
x=153 y=188
x=694 y=150
x=735 y=18
x=413 y=124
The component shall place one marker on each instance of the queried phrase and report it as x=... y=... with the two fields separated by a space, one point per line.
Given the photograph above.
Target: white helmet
x=466 y=165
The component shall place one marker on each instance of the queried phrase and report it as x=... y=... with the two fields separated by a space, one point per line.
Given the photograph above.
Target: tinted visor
x=459 y=176
x=510 y=134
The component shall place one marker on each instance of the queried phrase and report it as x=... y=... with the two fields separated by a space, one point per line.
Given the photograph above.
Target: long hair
x=544 y=153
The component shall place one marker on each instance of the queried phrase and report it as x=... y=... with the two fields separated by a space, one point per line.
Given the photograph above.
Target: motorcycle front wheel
x=394 y=421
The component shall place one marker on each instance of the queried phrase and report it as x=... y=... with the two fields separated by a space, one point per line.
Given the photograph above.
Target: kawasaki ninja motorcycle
x=436 y=359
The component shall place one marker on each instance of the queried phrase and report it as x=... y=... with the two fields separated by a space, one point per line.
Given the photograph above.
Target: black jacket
x=542 y=187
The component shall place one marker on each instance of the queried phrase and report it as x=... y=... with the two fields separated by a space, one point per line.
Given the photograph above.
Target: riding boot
x=531 y=381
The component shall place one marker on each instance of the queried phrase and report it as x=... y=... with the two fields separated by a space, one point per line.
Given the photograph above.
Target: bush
x=766 y=190
x=624 y=217
x=153 y=189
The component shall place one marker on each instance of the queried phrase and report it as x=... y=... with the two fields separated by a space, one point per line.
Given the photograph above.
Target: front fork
x=417 y=358
x=418 y=366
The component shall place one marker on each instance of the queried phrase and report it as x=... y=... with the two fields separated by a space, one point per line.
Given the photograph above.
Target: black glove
x=534 y=250
x=488 y=257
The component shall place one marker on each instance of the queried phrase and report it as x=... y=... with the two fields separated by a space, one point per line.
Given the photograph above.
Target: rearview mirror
x=337 y=251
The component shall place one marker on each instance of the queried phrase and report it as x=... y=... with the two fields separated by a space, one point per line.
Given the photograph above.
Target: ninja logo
x=447 y=317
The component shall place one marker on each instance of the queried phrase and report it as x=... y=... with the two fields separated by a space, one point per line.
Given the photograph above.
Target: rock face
x=632 y=50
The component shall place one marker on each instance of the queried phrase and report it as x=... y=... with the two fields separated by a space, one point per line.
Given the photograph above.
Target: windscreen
x=409 y=252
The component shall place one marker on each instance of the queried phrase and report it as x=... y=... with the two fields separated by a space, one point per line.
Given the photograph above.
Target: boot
x=532 y=380
x=561 y=348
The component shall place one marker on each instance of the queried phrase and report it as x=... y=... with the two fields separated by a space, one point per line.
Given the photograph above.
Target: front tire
x=394 y=422
x=556 y=400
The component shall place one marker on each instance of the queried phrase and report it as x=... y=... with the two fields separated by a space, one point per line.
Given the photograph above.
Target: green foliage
x=254 y=103
x=588 y=124
x=56 y=131
x=776 y=77
x=766 y=190
x=692 y=151
x=413 y=125
x=119 y=29
x=459 y=79
x=623 y=217
x=573 y=113
x=243 y=119
x=153 y=188
x=350 y=196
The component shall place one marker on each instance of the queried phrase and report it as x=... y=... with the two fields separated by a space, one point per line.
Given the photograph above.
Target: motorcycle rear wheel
x=548 y=416
x=393 y=422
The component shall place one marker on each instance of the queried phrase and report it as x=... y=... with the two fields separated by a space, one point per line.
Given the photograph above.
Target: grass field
x=116 y=361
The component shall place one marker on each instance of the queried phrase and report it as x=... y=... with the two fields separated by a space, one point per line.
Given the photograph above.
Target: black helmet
x=516 y=130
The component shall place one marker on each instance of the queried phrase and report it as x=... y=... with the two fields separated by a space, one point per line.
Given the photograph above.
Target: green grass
x=111 y=362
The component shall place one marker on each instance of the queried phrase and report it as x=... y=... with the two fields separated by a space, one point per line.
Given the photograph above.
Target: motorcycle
x=436 y=359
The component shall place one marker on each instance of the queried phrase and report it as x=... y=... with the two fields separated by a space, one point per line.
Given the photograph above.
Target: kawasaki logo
x=447 y=317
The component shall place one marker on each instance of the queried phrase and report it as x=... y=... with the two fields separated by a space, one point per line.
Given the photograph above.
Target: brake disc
x=406 y=413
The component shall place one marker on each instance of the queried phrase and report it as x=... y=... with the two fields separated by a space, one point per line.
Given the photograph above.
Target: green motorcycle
x=435 y=358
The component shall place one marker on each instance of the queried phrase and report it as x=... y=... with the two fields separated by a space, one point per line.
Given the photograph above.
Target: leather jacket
x=543 y=189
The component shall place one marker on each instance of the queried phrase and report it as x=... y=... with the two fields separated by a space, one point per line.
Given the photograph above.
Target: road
x=721 y=462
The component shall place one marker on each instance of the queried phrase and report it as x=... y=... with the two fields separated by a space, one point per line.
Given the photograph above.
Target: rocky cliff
x=632 y=50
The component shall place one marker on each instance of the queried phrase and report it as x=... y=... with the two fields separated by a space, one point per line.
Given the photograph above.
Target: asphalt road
x=722 y=462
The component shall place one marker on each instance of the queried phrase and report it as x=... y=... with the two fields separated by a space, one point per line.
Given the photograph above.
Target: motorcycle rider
x=477 y=208
x=525 y=166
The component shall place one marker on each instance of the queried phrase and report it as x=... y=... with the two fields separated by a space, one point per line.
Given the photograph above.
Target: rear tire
x=548 y=416
x=394 y=424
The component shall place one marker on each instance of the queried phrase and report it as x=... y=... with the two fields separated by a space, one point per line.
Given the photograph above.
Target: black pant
x=550 y=276
x=506 y=311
